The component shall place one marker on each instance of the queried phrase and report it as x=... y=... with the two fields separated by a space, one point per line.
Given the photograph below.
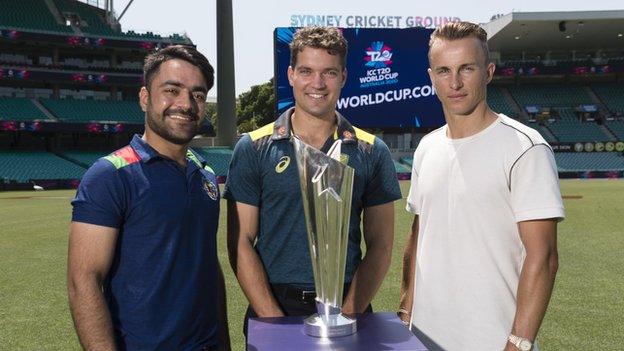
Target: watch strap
x=522 y=344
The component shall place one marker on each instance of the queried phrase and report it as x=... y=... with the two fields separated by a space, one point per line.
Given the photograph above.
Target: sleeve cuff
x=542 y=213
x=411 y=209
x=94 y=218
x=228 y=195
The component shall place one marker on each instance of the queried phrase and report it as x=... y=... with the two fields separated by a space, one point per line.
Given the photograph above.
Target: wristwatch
x=523 y=344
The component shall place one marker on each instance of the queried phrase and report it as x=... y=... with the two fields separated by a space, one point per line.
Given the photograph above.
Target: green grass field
x=586 y=311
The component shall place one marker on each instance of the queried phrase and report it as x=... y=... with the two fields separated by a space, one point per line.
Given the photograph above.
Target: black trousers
x=294 y=301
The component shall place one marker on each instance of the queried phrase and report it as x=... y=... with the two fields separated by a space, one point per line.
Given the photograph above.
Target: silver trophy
x=326 y=190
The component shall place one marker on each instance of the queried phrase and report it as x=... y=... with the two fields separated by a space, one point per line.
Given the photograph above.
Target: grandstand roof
x=543 y=31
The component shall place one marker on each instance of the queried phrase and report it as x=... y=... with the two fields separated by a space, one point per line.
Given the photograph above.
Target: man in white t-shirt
x=480 y=264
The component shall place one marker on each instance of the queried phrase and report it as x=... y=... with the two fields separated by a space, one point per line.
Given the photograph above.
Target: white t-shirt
x=469 y=194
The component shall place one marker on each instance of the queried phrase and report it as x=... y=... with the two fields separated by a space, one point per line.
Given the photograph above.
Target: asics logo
x=283 y=164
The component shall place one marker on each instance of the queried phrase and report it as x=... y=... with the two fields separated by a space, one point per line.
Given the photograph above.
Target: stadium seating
x=15 y=59
x=176 y=38
x=498 y=101
x=579 y=161
x=401 y=168
x=407 y=160
x=593 y=161
x=19 y=109
x=95 y=23
x=568 y=128
x=562 y=99
x=617 y=128
x=35 y=15
x=546 y=133
x=23 y=166
x=550 y=95
x=84 y=158
x=92 y=110
x=29 y=14
x=217 y=158
x=612 y=95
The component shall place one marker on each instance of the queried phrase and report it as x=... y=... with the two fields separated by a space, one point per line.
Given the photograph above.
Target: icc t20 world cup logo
x=377 y=67
x=378 y=55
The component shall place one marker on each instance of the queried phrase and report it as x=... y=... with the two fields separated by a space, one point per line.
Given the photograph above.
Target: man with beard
x=143 y=272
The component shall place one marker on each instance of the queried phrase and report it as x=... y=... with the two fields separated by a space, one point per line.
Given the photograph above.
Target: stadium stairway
x=498 y=102
x=611 y=95
x=616 y=128
x=82 y=158
x=544 y=131
x=597 y=100
x=512 y=102
x=44 y=110
x=407 y=161
x=77 y=30
x=602 y=106
x=609 y=132
x=55 y=12
x=401 y=168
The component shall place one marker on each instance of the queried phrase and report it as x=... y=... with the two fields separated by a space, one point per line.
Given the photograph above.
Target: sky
x=254 y=21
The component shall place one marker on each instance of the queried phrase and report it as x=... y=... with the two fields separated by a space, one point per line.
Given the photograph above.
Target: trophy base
x=338 y=325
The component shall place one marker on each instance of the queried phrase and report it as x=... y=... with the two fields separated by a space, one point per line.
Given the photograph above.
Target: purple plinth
x=376 y=331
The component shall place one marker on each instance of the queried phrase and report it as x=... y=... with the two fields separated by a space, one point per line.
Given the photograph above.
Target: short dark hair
x=328 y=38
x=460 y=30
x=181 y=52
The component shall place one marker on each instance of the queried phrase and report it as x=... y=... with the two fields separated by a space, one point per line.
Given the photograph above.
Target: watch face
x=525 y=345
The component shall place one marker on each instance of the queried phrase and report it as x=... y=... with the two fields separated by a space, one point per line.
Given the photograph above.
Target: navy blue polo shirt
x=263 y=173
x=161 y=289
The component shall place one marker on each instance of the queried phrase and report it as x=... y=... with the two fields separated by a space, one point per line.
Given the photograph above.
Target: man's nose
x=456 y=81
x=185 y=102
x=318 y=81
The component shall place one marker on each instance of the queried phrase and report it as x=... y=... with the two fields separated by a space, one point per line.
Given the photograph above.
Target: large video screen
x=387 y=82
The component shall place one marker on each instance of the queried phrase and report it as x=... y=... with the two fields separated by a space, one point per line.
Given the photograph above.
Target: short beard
x=163 y=132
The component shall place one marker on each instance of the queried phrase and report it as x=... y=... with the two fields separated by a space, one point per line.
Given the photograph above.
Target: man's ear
x=143 y=98
x=430 y=72
x=290 y=74
x=344 y=77
x=491 y=67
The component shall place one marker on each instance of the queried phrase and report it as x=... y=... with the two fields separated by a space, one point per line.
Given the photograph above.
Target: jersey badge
x=211 y=189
